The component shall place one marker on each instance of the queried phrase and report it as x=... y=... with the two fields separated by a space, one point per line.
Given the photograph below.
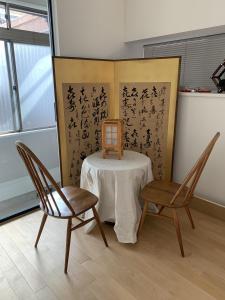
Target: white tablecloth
x=117 y=184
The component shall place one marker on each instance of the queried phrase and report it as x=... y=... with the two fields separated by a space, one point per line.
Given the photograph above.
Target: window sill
x=193 y=94
x=26 y=132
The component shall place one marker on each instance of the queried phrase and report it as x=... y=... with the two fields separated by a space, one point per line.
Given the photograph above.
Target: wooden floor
x=151 y=269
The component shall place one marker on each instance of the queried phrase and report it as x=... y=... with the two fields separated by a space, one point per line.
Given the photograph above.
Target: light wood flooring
x=151 y=269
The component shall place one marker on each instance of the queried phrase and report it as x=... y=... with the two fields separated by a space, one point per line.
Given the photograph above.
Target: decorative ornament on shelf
x=218 y=77
x=112 y=137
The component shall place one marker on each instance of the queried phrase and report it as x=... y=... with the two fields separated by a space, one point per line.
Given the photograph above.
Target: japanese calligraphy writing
x=85 y=106
x=144 y=110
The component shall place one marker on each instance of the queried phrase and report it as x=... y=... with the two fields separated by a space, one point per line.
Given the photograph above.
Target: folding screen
x=142 y=92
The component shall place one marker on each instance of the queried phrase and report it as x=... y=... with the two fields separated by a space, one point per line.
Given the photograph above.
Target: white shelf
x=211 y=95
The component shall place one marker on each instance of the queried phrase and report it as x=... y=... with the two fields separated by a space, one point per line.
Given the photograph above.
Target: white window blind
x=200 y=58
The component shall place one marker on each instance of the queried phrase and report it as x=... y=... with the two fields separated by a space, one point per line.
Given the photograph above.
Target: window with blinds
x=200 y=58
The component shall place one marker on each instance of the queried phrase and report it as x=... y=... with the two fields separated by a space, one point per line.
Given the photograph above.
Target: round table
x=117 y=184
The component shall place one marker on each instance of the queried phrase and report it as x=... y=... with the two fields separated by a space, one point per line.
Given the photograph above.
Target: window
x=3 y=22
x=35 y=85
x=29 y=21
x=6 y=105
x=200 y=58
x=26 y=85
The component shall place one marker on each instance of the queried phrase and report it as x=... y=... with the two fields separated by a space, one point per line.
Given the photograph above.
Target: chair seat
x=162 y=192
x=80 y=200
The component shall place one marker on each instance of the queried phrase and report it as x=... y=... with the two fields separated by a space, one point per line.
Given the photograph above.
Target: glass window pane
x=35 y=83
x=3 y=23
x=6 y=116
x=24 y=20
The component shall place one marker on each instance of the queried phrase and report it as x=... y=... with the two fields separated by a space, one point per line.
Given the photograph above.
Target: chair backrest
x=193 y=176
x=43 y=182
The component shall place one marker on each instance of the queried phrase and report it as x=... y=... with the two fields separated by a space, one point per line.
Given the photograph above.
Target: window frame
x=10 y=36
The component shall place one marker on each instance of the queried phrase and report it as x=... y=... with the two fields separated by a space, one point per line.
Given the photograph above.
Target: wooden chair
x=173 y=196
x=63 y=203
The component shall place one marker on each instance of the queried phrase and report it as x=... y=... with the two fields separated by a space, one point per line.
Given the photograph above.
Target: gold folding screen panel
x=79 y=74
x=155 y=77
x=142 y=92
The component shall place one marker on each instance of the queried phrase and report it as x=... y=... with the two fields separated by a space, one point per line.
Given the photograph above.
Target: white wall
x=199 y=117
x=89 y=28
x=14 y=179
x=153 y=18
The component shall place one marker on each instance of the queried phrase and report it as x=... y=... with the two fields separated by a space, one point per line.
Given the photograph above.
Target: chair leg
x=68 y=239
x=161 y=209
x=190 y=217
x=144 y=211
x=44 y=218
x=177 y=225
x=99 y=225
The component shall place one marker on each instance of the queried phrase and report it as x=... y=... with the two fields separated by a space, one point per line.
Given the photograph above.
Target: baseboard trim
x=205 y=206
x=19 y=215
x=21 y=186
x=210 y=208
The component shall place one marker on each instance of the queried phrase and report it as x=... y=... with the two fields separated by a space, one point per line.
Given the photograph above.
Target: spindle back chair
x=173 y=195
x=63 y=203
